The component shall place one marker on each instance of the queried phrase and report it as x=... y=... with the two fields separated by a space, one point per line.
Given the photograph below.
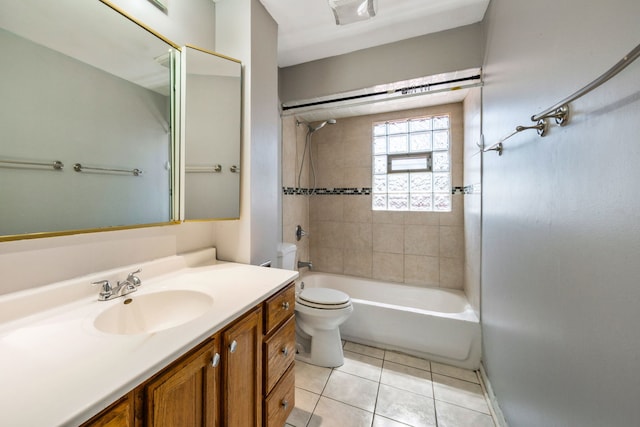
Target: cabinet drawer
x=279 y=352
x=279 y=307
x=281 y=401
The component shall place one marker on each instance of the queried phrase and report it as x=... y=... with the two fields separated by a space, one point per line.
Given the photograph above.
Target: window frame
x=436 y=195
x=427 y=155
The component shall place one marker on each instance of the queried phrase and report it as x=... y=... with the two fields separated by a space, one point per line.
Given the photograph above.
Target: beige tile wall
x=346 y=236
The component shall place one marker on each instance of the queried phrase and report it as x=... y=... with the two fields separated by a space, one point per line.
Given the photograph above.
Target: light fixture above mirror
x=350 y=11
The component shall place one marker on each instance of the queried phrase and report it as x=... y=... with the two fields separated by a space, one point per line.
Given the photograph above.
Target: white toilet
x=319 y=313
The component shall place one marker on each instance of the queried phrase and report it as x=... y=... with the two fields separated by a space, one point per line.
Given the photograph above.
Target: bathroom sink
x=153 y=312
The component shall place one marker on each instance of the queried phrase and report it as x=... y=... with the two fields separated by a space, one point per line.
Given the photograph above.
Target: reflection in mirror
x=82 y=85
x=212 y=110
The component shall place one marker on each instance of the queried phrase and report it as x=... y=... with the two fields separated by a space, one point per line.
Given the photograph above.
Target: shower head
x=320 y=126
x=323 y=124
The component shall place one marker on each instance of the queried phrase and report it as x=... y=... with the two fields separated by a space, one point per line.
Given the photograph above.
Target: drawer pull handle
x=216 y=360
x=285 y=305
x=285 y=351
x=233 y=346
x=285 y=404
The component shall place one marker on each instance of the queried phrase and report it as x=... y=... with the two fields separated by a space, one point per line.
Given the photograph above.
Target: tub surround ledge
x=58 y=369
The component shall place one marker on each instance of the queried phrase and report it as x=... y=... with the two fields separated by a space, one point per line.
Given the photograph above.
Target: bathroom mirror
x=87 y=115
x=212 y=125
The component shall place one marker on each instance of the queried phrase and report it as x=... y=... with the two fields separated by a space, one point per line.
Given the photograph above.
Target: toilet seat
x=323 y=298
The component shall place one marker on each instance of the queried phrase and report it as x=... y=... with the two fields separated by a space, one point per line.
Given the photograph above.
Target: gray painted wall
x=266 y=206
x=561 y=240
x=446 y=51
x=246 y=31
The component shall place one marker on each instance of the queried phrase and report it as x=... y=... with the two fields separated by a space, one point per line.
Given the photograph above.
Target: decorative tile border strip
x=364 y=191
x=327 y=191
x=473 y=189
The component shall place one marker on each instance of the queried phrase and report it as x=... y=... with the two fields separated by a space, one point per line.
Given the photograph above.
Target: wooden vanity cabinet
x=279 y=354
x=184 y=394
x=280 y=401
x=119 y=414
x=242 y=382
x=205 y=390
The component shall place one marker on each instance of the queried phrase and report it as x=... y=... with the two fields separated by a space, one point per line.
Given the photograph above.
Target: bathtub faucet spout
x=302 y=264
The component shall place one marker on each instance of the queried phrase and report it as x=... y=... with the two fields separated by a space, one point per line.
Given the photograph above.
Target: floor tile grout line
x=455 y=378
x=434 y=398
x=408 y=391
x=358 y=376
x=433 y=391
x=375 y=404
x=430 y=369
x=464 y=407
x=346 y=404
x=380 y=383
x=408 y=366
x=319 y=397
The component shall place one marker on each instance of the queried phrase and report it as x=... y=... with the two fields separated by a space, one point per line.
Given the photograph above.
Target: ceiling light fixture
x=350 y=11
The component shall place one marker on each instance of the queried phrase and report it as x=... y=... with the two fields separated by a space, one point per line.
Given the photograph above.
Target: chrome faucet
x=135 y=280
x=128 y=285
x=302 y=264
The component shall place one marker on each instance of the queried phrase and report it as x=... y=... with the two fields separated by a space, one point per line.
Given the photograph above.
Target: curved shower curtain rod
x=560 y=110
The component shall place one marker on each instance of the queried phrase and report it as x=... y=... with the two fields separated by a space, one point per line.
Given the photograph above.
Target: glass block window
x=412 y=165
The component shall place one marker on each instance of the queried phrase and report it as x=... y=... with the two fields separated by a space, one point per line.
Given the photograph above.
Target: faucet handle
x=106 y=291
x=135 y=280
x=106 y=286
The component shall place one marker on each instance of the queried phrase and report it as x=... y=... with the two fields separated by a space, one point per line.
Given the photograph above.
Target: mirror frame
x=175 y=120
x=183 y=137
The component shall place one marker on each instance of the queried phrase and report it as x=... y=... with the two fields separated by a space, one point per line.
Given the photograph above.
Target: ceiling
x=307 y=30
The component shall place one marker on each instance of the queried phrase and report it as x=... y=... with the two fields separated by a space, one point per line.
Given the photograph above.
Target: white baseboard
x=494 y=407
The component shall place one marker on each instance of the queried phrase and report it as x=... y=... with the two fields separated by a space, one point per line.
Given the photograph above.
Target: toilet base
x=326 y=348
x=303 y=342
x=321 y=326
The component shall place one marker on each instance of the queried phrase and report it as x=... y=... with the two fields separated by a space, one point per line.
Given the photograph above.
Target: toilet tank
x=287 y=256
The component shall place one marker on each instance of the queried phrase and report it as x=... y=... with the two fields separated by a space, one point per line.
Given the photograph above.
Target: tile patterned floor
x=378 y=388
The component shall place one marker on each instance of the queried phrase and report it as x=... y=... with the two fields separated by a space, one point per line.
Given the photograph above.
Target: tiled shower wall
x=345 y=235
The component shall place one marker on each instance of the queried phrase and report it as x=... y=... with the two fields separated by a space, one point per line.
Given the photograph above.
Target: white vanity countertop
x=57 y=369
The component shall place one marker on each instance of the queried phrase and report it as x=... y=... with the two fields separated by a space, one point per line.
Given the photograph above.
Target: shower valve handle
x=300 y=232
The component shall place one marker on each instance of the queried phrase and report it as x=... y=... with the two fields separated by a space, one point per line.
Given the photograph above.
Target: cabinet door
x=242 y=383
x=186 y=394
x=120 y=414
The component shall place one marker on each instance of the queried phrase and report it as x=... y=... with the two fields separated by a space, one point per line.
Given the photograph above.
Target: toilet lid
x=323 y=296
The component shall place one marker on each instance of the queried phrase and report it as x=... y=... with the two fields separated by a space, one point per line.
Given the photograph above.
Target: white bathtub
x=434 y=323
